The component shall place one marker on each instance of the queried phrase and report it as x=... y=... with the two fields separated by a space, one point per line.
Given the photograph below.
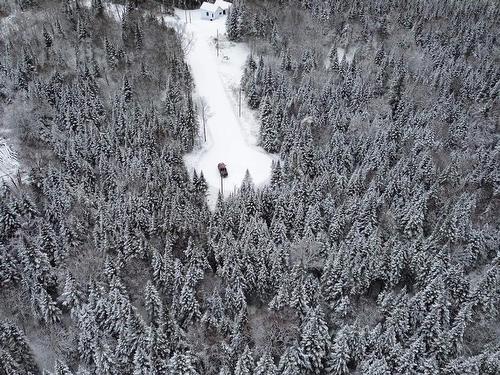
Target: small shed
x=212 y=11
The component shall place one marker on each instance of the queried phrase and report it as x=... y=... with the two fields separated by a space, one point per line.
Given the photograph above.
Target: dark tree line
x=107 y=217
x=385 y=199
x=373 y=250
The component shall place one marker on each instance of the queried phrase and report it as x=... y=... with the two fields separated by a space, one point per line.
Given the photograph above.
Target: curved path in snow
x=230 y=139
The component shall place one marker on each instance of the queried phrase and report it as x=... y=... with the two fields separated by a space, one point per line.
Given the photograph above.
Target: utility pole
x=217 y=43
x=221 y=186
x=239 y=104
x=203 y=115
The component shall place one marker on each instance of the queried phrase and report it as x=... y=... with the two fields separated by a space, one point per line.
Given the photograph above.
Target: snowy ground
x=341 y=53
x=8 y=162
x=113 y=10
x=7 y=24
x=349 y=55
x=230 y=139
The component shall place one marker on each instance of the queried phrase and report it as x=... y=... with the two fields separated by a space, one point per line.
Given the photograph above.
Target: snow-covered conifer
x=153 y=302
x=265 y=366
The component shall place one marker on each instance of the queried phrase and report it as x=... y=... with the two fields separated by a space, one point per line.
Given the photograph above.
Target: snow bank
x=230 y=138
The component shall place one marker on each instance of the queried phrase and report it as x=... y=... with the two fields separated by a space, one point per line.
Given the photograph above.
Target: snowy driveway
x=230 y=139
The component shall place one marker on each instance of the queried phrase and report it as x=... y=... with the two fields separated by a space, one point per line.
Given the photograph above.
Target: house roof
x=223 y=4
x=209 y=7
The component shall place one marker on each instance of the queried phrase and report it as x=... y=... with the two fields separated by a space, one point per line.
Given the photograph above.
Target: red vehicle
x=222 y=169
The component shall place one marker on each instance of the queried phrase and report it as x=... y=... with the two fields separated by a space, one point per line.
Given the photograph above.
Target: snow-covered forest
x=373 y=249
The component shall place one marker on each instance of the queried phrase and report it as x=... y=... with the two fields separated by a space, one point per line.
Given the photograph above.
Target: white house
x=225 y=5
x=213 y=11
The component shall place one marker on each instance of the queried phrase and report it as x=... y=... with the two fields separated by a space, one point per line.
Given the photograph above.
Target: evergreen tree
x=268 y=135
x=314 y=342
x=14 y=350
x=245 y=364
x=182 y=364
x=290 y=362
x=265 y=366
x=126 y=90
x=49 y=311
x=233 y=22
x=339 y=355
x=153 y=302
x=61 y=369
x=70 y=296
x=188 y=308
x=138 y=37
x=104 y=360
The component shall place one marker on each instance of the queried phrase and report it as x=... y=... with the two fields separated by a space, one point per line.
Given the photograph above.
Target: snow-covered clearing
x=230 y=138
x=341 y=54
x=349 y=55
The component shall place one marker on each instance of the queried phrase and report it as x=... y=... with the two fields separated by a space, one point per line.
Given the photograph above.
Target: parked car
x=222 y=170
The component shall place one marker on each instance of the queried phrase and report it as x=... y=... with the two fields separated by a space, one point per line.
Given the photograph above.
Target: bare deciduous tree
x=204 y=114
